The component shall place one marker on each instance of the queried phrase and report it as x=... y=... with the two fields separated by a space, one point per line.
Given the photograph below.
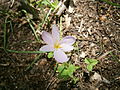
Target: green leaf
x=65 y=73
x=91 y=61
x=89 y=67
x=87 y=61
x=94 y=62
x=55 y=3
x=75 y=80
x=72 y=69
x=60 y=68
x=45 y=2
x=50 y=55
x=66 y=70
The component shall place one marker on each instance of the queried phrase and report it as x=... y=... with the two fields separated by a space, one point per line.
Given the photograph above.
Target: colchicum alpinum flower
x=56 y=45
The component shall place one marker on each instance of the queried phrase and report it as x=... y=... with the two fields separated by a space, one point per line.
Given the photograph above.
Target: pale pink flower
x=56 y=45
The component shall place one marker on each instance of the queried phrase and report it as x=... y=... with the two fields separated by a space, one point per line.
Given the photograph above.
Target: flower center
x=57 y=45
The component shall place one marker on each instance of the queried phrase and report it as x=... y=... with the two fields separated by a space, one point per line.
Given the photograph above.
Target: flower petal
x=55 y=33
x=66 y=47
x=47 y=37
x=68 y=40
x=60 y=56
x=47 y=48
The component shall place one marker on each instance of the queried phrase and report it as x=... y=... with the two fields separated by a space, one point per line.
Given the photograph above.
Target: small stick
x=81 y=24
x=105 y=54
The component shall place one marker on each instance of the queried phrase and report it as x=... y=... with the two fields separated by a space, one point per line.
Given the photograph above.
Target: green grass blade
x=50 y=4
x=34 y=52
x=29 y=21
x=5 y=35
x=33 y=30
x=40 y=25
x=11 y=27
x=47 y=16
x=111 y=3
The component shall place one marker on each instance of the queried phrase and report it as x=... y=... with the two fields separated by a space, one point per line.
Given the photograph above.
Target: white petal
x=66 y=47
x=55 y=33
x=60 y=56
x=47 y=37
x=47 y=48
x=68 y=40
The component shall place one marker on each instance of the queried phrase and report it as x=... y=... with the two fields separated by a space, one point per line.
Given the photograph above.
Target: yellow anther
x=57 y=45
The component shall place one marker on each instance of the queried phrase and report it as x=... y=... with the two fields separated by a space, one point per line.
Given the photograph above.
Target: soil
x=96 y=27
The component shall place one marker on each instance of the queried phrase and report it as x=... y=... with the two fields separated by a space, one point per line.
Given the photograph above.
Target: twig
x=105 y=54
x=81 y=24
x=12 y=3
